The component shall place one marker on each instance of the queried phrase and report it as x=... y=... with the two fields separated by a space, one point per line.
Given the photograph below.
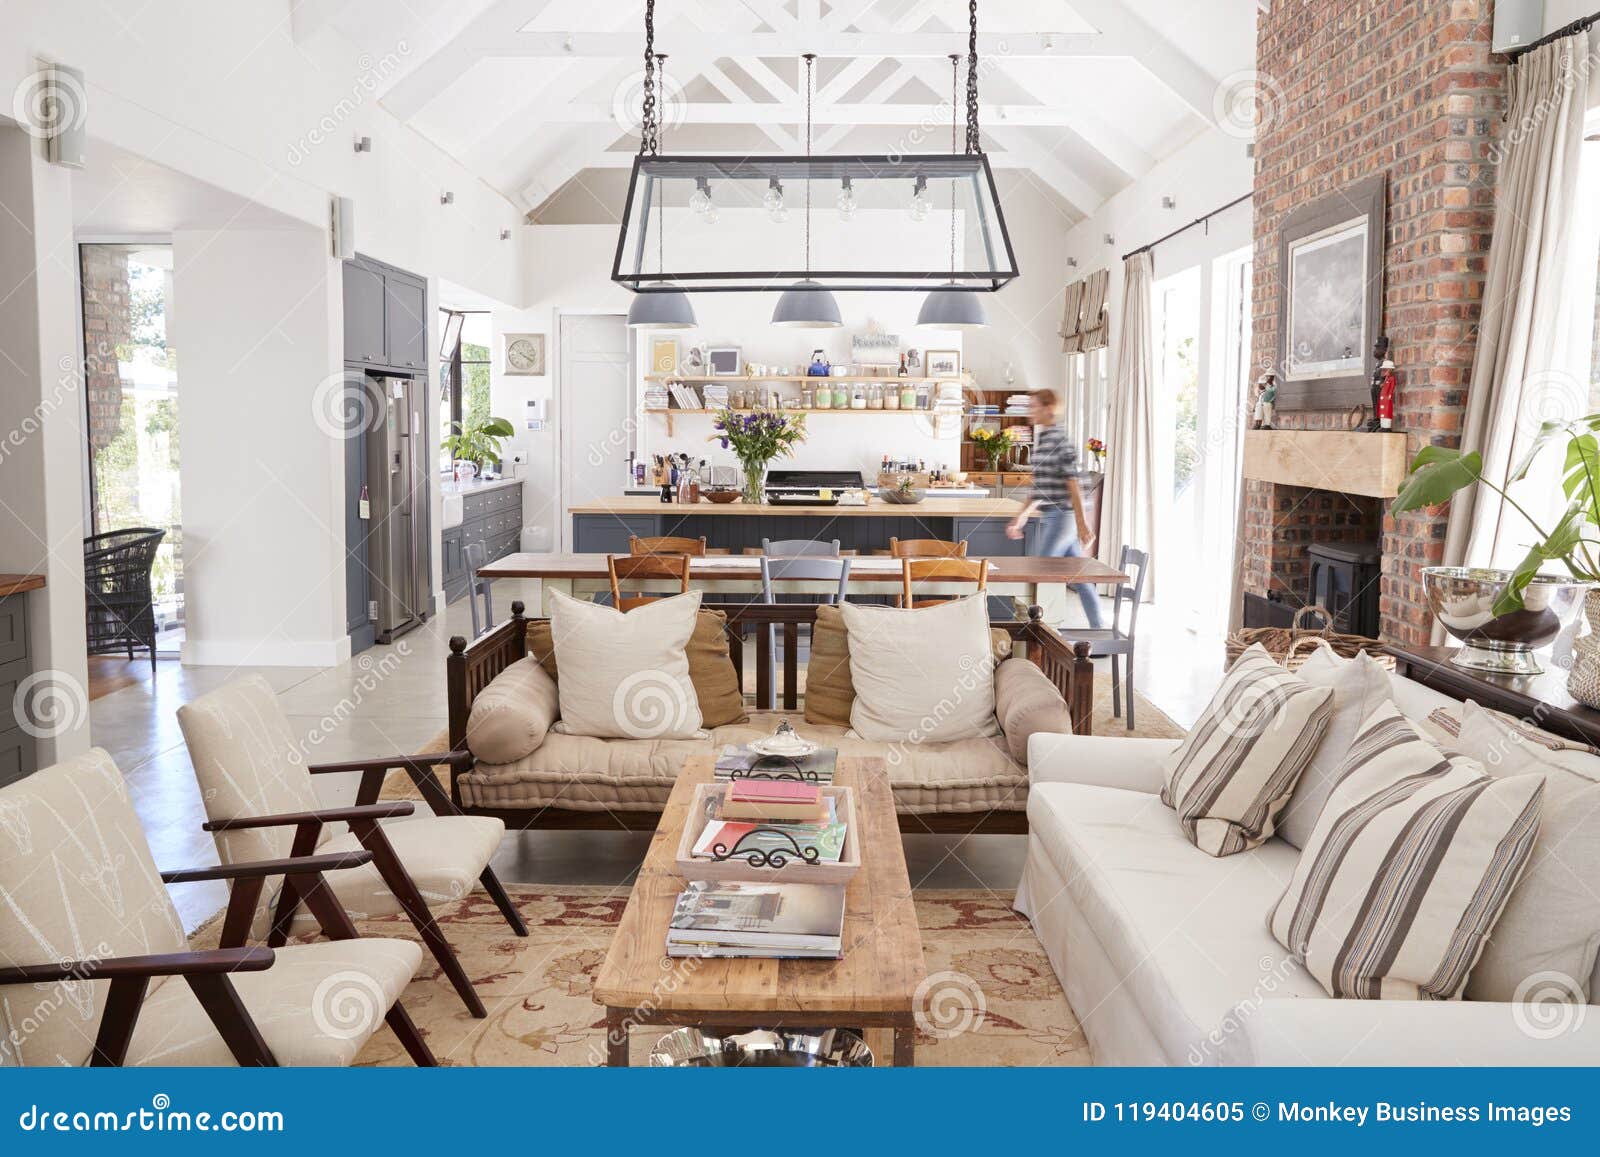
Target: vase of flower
x=992 y=444
x=1583 y=677
x=756 y=439
x=1097 y=451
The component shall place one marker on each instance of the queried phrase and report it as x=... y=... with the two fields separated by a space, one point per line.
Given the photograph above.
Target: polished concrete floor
x=391 y=699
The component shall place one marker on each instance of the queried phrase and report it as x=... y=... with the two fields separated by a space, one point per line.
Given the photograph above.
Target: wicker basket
x=1293 y=645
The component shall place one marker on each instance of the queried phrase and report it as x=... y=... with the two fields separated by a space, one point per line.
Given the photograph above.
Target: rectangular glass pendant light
x=722 y=223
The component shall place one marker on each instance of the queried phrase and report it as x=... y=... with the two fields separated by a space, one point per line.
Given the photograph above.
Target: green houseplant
x=478 y=441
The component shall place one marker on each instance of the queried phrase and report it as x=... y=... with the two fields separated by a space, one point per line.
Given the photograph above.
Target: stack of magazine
x=738 y=918
x=815 y=768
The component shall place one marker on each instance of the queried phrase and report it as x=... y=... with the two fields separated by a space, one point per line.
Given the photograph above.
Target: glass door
x=1178 y=527
x=131 y=403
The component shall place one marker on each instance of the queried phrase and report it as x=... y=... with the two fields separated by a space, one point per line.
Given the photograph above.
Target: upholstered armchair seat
x=443 y=855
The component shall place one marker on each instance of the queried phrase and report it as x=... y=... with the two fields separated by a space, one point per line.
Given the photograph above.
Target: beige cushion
x=1549 y=934
x=716 y=683
x=77 y=882
x=578 y=773
x=1233 y=773
x=248 y=762
x=830 y=693
x=1358 y=685
x=626 y=676
x=921 y=675
x=316 y=1006
x=510 y=716
x=1408 y=868
x=1026 y=701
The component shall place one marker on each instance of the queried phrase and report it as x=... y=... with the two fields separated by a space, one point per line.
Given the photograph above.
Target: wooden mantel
x=1344 y=461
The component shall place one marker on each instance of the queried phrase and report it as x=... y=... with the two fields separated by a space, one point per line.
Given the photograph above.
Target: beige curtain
x=1129 y=514
x=1093 y=326
x=1071 y=318
x=1531 y=363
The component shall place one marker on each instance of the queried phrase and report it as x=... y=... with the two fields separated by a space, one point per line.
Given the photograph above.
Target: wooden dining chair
x=644 y=566
x=927 y=548
x=667 y=544
x=918 y=570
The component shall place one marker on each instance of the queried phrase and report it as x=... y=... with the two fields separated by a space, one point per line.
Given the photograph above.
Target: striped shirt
x=1055 y=459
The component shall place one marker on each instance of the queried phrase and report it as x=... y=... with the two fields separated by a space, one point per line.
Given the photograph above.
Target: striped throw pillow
x=1409 y=867
x=1236 y=769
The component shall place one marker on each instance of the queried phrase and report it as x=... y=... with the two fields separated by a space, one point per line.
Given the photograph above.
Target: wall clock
x=525 y=354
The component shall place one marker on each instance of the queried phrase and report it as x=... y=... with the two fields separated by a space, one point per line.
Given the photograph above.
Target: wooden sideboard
x=1540 y=699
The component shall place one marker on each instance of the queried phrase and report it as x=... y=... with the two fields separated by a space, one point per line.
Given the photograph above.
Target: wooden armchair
x=96 y=920
x=262 y=805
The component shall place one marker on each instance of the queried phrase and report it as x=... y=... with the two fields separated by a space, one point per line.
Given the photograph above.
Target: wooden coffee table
x=873 y=986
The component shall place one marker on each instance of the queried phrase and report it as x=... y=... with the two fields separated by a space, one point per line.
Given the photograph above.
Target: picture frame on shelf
x=524 y=355
x=942 y=363
x=724 y=362
x=664 y=355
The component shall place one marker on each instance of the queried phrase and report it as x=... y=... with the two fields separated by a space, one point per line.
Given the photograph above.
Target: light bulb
x=700 y=199
x=920 y=205
x=847 y=200
x=779 y=213
x=773 y=197
x=711 y=214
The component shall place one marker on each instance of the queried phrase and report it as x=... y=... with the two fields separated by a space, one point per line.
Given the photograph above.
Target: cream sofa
x=1165 y=954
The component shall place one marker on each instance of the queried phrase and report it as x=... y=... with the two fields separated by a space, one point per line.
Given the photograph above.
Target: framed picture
x=525 y=354
x=724 y=362
x=1330 y=262
x=664 y=355
x=942 y=363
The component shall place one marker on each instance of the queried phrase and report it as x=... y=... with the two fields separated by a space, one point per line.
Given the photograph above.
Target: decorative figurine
x=1384 y=381
x=1266 y=399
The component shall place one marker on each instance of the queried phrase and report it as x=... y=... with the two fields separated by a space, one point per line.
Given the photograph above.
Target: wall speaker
x=1517 y=24
x=342 y=226
x=63 y=112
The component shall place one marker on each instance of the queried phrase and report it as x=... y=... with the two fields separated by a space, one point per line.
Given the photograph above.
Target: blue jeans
x=1058 y=538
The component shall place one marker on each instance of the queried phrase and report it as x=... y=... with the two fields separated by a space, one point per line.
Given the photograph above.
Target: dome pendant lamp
x=659 y=305
x=949 y=307
x=806 y=304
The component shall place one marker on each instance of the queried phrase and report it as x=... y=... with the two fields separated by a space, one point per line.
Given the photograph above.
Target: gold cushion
x=716 y=686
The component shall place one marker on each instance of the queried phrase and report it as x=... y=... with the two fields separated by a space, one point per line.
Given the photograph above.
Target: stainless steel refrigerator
x=397 y=514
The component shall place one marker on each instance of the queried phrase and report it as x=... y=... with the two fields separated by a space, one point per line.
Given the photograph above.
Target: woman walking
x=1056 y=497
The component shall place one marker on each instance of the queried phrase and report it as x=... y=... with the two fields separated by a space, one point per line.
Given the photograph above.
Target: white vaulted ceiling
x=540 y=97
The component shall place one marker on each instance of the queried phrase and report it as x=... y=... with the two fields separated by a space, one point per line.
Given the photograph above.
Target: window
x=463 y=373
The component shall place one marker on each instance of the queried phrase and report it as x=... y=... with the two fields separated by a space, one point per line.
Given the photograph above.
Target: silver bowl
x=1462 y=599
x=761 y=1048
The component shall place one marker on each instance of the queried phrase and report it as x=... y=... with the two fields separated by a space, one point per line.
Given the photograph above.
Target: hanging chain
x=649 y=125
x=973 y=145
x=955 y=80
x=811 y=59
x=661 y=201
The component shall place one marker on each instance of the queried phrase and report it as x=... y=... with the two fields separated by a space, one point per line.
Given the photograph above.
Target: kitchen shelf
x=672 y=411
x=882 y=380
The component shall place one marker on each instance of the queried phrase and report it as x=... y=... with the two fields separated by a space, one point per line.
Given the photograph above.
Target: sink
x=455 y=506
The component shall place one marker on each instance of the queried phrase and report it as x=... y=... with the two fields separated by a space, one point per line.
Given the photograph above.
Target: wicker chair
x=116 y=574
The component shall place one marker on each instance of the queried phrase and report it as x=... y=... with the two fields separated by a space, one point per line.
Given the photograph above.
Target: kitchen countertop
x=476 y=485
x=875 y=508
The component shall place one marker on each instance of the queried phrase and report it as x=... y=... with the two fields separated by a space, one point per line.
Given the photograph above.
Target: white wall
x=222 y=93
x=262 y=470
x=41 y=429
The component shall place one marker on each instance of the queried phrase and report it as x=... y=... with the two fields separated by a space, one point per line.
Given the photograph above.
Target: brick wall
x=1407 y=88
x=107 y=319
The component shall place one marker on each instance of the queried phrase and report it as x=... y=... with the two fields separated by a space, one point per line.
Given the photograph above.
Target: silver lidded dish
x=1463 y=598
x=761 y=1048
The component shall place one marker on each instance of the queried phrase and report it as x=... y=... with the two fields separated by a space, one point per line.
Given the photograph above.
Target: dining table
x=582 y=575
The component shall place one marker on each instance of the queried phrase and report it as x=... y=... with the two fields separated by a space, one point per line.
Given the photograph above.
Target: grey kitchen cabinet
x=492 y=522
x=17 y=753
x=365 y=338
x=405 y=319
x=609 y=533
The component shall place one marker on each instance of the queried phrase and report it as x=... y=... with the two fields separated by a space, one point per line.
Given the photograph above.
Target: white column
x=258 y=328
x=41 y=433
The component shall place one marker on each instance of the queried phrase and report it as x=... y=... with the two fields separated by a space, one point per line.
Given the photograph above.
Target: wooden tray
x=796 y=871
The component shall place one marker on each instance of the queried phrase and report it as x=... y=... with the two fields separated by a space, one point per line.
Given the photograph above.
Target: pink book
x=772 y=791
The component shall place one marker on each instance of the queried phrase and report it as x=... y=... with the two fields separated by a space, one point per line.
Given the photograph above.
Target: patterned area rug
x=992 y=998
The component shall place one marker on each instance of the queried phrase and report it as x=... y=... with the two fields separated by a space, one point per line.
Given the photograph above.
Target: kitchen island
x=604 y=527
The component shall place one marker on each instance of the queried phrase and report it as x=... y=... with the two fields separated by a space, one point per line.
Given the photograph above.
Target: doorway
x=131 y=412
x=595 y=411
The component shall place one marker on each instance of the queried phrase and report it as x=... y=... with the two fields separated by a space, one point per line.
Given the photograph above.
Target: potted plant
x=478 y=441
x=993 y=444
x=756 y=439
x=1572 y=542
